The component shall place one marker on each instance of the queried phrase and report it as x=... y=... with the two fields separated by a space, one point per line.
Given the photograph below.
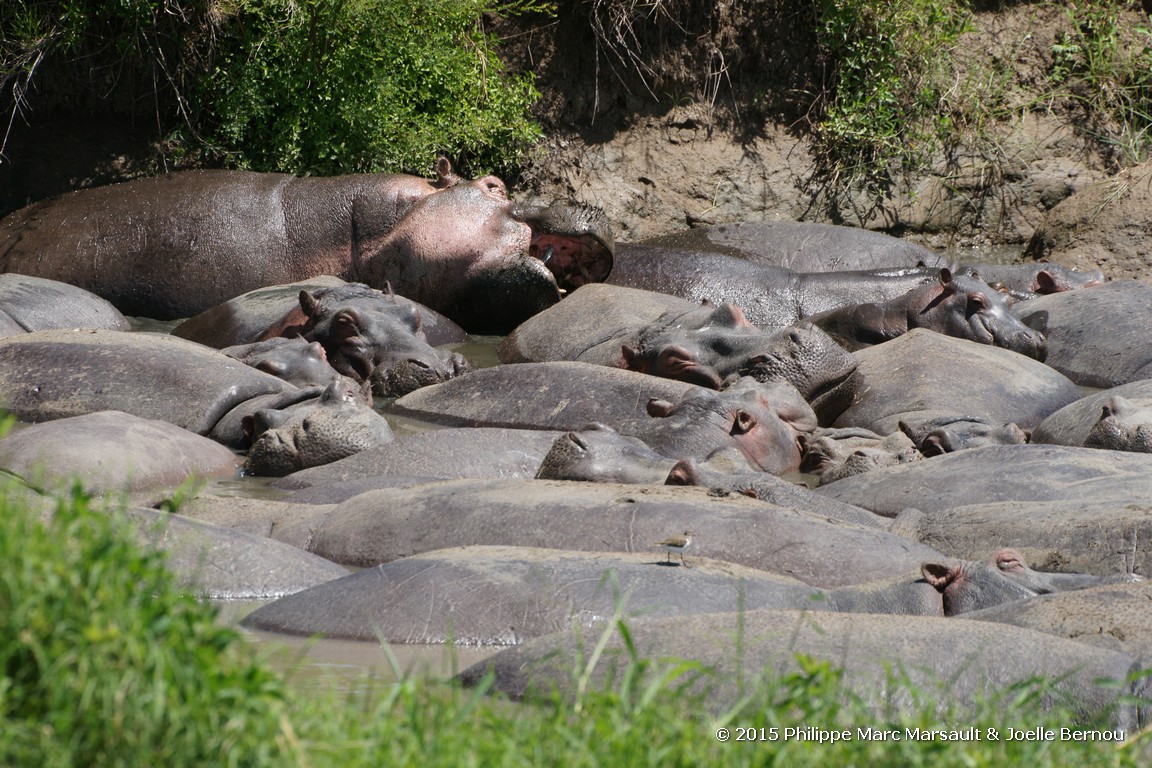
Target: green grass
x=104 y=661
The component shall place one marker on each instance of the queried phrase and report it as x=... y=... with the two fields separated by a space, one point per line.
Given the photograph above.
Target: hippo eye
x=977 y=302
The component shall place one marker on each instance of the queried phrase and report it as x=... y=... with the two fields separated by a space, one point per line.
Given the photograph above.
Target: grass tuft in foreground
x=104 y=661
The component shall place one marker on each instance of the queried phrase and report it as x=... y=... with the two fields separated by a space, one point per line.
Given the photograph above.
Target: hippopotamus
x=1000 y=474
x=112 y=451
x=489 y=595
x=54 y=374
x=338 y=424
x=1113 y=616
x=249 y=317
x=217 y=563
x=602 y=455
x=923 y=376
x=771 y=297
x=813 y=247
x=296 y=360
x=957 y=306
x=1118 y=419
x=803 y=246
x=370 y=337
x=37 y=304
x=1096 y=337
x=833 y=454
x=174 y=245
x=973 y=585
x=676 y=419
x=389 y=523
x=945 y=434
x=665 y=336
x=954 y=662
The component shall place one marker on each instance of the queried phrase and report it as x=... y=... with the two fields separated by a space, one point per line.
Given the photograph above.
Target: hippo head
x=703 y=346
x=489 y=264
x=598 y=453
x=1124 y=425
x=938 y=436
x=296 y=360
x=822 y=371
x=971 y=585
x=762 y=421
x=337 y=424
x=373 y=338
x=967 y=308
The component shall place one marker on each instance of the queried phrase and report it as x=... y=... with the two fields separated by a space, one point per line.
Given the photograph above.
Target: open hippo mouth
x=576 y=243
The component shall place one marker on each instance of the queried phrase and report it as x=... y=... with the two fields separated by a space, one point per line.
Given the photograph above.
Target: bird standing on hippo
x=174 y=245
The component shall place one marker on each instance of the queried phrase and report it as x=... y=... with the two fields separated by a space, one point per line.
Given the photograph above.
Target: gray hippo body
x=387 y=524
x=925 y=376
x=56 y=374
x=1096 y=337
x=248 y=317
x=505 y=595
x=112 y=451
x=978 y=661
x=174 y=245
x=771 y=296
x=677 y=420
x=1117 y=419
x=37 y=304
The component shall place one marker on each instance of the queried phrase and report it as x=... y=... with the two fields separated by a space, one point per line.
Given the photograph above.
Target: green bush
x=1106 y=66
x=104 y=662
x=889 y=108
x=302 y=86
x=337 y=86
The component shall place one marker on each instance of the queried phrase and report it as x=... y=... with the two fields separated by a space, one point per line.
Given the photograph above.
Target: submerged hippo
x=176 y=244
x=36 y=304
x=955 y=305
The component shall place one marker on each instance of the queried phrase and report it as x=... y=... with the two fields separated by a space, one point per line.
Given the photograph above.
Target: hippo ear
x=659 y=408
x=309 y=303
x=730 y=316
x=683 y=472
x=940 y=575
x=743 y=423
x=631 y=357
x=1046 y=282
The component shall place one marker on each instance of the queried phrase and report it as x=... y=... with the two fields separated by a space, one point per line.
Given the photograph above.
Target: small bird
x=676 y=544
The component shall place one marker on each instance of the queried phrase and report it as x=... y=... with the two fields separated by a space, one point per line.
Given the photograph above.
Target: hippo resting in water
x=955 y=305
x=174 y=245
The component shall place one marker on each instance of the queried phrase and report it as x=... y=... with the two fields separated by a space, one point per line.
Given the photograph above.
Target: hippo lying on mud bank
x=174 y=245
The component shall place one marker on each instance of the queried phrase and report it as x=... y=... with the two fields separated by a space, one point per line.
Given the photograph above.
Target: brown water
x=346 y=666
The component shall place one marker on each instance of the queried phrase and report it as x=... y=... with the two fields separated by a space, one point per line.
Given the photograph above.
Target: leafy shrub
x=1106 y=66
x=336 y=86
x=889 y=106
x=103 y=661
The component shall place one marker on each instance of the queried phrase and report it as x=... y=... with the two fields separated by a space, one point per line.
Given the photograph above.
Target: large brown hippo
x=174 y=245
